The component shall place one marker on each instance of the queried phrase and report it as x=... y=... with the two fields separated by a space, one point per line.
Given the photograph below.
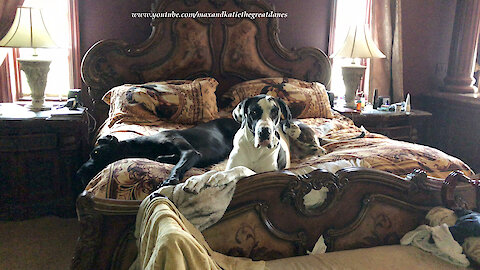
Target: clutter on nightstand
x=397 y=121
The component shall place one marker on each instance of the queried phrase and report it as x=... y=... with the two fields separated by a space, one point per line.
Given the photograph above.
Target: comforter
x=135 y=178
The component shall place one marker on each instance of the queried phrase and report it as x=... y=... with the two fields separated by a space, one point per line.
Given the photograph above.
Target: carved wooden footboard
x=267 y=218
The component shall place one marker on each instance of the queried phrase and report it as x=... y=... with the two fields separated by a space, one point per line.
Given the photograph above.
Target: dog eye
x=274 y=113
x=94 y=153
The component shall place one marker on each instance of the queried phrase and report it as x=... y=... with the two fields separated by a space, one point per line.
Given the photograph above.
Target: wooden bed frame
x=266 y=218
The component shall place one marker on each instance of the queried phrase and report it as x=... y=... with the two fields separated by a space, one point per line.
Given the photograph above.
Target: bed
x=372 y=202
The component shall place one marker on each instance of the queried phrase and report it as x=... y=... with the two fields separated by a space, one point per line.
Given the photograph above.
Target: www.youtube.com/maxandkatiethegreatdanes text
x=222 y=14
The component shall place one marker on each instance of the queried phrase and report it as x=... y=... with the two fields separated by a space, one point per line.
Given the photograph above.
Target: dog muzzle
x=266 y=137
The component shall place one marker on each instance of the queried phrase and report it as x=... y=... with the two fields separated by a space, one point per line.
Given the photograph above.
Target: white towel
x=443 y=245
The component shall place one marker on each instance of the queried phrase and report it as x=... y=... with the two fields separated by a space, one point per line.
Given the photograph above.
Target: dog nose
x=264 y=133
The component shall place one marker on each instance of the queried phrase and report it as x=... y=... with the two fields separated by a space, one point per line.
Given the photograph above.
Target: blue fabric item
x=467 y=225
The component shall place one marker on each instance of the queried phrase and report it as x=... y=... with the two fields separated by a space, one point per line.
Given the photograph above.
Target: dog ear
x=107 y=139
x=239 y=111
x=284 y=109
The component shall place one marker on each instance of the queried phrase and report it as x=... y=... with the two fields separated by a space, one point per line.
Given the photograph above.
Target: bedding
x=177 y=101
x=135 y=178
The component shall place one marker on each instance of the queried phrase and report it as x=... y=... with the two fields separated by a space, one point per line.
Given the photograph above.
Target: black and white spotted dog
x=260 y=144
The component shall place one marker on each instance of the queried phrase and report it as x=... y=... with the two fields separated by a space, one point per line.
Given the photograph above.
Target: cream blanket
x=167 y=240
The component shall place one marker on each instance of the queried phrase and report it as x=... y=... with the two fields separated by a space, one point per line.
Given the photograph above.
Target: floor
x=42 y=243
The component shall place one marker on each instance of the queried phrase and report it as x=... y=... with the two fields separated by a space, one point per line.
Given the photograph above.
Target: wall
x=111 y=19
x=306 y=25
x=427 y=30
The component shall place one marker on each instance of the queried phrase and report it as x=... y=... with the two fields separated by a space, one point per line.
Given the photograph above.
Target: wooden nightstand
x=39 y=154
x=413 y=127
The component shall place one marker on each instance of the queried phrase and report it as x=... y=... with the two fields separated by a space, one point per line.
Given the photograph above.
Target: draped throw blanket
x=167 y=240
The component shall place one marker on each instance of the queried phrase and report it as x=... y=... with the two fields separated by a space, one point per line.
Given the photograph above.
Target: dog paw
x=168 y=182
x=232 y=175
x=196 y=183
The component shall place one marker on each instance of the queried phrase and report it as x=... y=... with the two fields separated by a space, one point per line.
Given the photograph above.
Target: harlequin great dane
x=260 y=144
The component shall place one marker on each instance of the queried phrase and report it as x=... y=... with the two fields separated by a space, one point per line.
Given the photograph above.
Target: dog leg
x=170 y=159
x=232 y=175
x=188 y=159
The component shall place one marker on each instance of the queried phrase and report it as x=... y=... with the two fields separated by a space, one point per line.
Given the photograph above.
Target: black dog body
x=199 y=146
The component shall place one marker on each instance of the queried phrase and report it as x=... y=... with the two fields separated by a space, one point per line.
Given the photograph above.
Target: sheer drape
x=7 y=14
x=387 y=74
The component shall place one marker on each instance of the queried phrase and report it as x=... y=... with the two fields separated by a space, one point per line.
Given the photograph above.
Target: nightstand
x=39 y=154
x=413 y=127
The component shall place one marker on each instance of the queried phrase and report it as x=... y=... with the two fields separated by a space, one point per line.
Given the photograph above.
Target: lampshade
x=28 y=31
x=358 y=44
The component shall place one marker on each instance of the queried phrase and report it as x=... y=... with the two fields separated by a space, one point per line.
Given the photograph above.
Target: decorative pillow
x=179 y=101
x=122 y=111
x=305 y=99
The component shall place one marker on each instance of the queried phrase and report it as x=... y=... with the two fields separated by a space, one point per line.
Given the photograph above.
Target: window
x=58 y=19
x=347 y=13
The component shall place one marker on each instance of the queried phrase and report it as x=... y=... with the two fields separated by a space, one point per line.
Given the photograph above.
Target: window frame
x=74 y=59
x=333 y=24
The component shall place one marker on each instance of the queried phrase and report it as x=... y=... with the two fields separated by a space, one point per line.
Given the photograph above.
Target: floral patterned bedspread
x=134 y=179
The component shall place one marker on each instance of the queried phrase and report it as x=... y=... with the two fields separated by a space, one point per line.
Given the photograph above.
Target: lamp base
x=38 y=107
x=36 y=71
x=352 y=74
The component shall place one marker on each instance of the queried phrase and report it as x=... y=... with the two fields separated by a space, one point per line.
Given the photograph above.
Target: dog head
x=261 y=115
x=101 y=156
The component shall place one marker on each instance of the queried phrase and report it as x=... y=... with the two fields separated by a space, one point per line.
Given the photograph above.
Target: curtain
x=8 y=9
x=7 y=14
x=387 y=74
x=5 y=92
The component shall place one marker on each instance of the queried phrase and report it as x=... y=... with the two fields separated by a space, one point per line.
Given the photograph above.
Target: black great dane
x=199 y=146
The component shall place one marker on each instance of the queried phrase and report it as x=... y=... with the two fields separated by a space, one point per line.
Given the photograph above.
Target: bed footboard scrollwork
x=267 y=217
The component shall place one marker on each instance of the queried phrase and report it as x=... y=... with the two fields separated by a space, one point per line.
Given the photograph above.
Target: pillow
x=179 y=101
x=121 y=111
x=305 y=99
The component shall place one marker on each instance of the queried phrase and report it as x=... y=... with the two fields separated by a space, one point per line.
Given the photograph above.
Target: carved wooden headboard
x=229 y=49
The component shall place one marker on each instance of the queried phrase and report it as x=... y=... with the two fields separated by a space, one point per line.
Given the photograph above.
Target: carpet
x=42 y=243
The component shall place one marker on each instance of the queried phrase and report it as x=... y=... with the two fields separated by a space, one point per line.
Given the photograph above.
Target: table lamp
x=358 y=44
x=29 y=31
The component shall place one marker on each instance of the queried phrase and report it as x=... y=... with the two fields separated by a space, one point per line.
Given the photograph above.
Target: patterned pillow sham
x=305 y=99
x=178 y=101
